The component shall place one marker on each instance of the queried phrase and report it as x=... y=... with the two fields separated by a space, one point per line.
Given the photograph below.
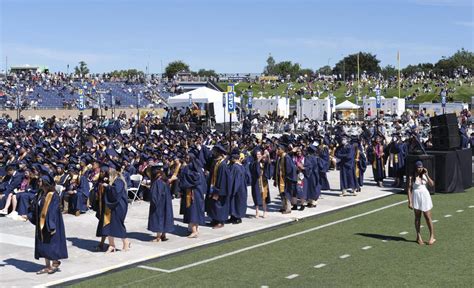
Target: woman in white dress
x=419 y=199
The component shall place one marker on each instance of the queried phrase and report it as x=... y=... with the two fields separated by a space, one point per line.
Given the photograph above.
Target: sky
x=229 y=36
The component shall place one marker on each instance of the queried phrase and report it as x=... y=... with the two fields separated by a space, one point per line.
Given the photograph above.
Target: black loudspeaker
x=95 y=113
x=445 y=131
x=446 y=143
x=453 y=170
x=428 y=163
x=210 y=110
x=443 y=120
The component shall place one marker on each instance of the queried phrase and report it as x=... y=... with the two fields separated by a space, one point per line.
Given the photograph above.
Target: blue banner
x=230 y=102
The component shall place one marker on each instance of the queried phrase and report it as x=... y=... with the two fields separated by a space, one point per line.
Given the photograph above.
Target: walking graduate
x=259 y=183
x=116 y=202
x=345 y=155
x=360 y=163
x=312 y=185
x=50 y=235
x=160 y=218
x=193 y=187
x=324 y=158
x=285 y=177
x=396 y=160
x=378 y=162
x=217 y=204
x=237 y=188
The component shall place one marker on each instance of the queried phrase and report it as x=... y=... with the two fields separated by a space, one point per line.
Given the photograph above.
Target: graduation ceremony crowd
x=47 y=171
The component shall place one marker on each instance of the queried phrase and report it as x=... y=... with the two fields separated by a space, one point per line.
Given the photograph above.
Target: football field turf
x=370 y=245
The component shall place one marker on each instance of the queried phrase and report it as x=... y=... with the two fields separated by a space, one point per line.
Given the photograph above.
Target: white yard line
x=292 y=276
x=275 y=240
x=447 y=216
x=459 y=211
x=320 y=265
x=344 y=256
x=366 y=247
x=403 y=233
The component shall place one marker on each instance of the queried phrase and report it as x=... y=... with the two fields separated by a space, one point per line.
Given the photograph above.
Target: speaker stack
x=445 y=132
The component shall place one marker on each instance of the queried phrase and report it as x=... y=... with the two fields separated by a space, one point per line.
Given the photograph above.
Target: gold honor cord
x=214 y=172
x=357 y=158
x=189 y=197
x=281 y=178
x=44 y=212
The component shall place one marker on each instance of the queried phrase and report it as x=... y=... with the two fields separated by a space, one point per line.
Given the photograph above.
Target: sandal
x=57 y=264
x=111 y=249
x=163 y=238
x=53 y=270
x=43 y=271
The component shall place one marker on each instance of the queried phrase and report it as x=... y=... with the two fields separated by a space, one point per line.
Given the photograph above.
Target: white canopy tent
x=347 y=105
x=203 y=95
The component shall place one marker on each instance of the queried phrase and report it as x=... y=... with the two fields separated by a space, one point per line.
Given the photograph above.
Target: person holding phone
x=419 y=200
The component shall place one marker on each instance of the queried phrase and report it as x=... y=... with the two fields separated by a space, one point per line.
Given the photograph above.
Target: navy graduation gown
x=160 y=218
x=257 y=176
x=218 y=210
x=346 y=167
x=78 y=201
x=98 y=205
x=360 y=166
x=288 y=185
x=193 y=186
x=397 y=156
x=237 y=190
x=378 y=164
x=324 y=160
x=312 y=184
x=116 y=199
x=50 y=234
x=24 y=200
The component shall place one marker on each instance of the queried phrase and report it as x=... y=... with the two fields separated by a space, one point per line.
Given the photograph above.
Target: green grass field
x=463 y=93
x=397 y=262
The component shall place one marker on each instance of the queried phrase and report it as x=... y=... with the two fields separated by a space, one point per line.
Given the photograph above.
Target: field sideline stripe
x=274 y=240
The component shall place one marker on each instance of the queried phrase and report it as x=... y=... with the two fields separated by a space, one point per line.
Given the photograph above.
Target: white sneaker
x=13 y=215
x=3 y=212
x=19 y=218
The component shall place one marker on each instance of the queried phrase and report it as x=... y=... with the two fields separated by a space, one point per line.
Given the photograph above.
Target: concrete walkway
x=18 y=266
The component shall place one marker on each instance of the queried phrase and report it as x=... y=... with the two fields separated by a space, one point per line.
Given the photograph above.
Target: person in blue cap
x=324 y=157
x=378 y=162
x=237 y=187
x=398 y=151
x=285 y=177
x=259 y=182
x=312 y=184
x=8 y=187
x=193 y=186
x=116 y=202
x=50 y=235
x=360 y=162
x=217 y=198
x=345 y=155
x=160 y=217
x=419 y=200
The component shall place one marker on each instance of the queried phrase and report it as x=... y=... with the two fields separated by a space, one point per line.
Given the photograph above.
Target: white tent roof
x=199 y=95
x=347 y=105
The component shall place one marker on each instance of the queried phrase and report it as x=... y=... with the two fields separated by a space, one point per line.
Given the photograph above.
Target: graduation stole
x=214 y=172
x=189 y=197
x=282 y=170
x=357 y=158
x=107 y=212
x=176 y=170
x=44 y=212
x=263 y=183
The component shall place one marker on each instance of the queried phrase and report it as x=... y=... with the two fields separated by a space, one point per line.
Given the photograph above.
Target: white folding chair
x=136 y=178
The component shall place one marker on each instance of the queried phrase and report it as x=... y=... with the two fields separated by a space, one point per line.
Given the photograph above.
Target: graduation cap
x=312 y=149
x=219 y=148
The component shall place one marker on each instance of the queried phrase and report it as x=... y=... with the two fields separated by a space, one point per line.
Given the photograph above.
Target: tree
x=389 y=71
x=367 y=62
x=306 y=71
x=206 y=73
x=447 y=66
x=270 y=68
x=130 y=73
x=325 y=70
x=285 y=68
x=82 y=69
x=175 y=67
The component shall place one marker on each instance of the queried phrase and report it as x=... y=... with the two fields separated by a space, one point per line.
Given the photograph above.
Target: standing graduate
x=345 y=154
x=378 y=163
x=160 y=218
x=311 y=171
x=324 y=158
x=396 y=160
x=217 y=204
x=301 y=193
x=193 y=187
x=285 y=177
x=98 y=204
x=360 y=163
x=237 y=188
x=116 y=205
x=259 y=183
x=50 y=235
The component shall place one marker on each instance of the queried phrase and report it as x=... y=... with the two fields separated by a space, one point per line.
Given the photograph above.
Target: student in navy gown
x=78 y=196
x=259 y=183
x=285 y=177
x=360 y=163
x=50 y=235
x=324 y=158
x=311 y=171
x=217 y=200
x=398 y=151
x=237 y=188
x=160 y=217
x=116 y=205
x=193 y=187
x=98 y=204
x=378 y=164
x=345 y=154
